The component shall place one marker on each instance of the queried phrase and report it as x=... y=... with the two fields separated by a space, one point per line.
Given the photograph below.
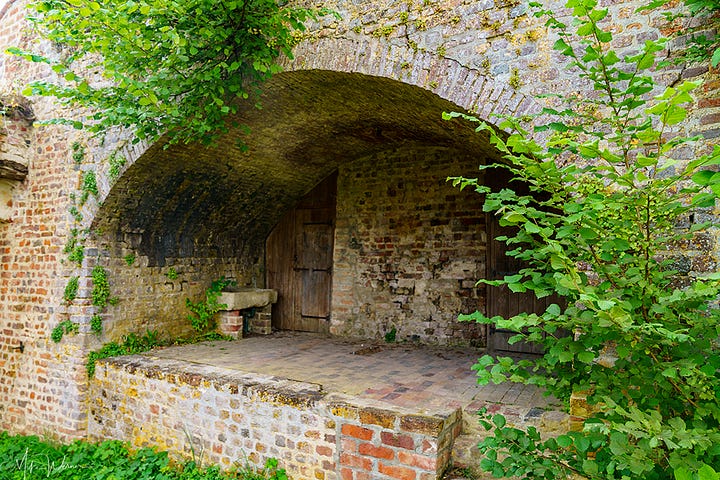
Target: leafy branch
x=600 y=227
x=163 y=67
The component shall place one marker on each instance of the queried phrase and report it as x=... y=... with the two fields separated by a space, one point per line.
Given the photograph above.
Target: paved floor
x=428 y=379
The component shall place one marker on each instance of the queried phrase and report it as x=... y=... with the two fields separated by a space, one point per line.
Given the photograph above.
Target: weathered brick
x=376 y=451
x=419 y=461
x=355 y=461
x=396 y=471
x=356 y=431
x=397 y=440
x=374 y=416
x=421 y=424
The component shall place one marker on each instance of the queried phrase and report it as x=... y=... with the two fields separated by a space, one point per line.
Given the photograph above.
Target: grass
x=133 y=343
x=30 y=458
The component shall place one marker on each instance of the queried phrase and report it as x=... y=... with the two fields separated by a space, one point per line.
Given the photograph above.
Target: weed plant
x=29 y=458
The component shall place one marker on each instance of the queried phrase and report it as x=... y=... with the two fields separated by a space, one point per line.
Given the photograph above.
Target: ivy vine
x=71 y=289
x=63 y=328
x=75 y=247
x=101 y=287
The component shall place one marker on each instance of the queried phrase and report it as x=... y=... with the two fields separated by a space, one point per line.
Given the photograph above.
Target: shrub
x=608 y=210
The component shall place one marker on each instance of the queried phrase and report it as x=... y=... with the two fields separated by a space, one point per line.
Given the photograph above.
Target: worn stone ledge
x=266 y=388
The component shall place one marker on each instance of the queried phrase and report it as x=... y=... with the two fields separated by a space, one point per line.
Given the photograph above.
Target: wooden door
x=500 y=300
x=299 y=261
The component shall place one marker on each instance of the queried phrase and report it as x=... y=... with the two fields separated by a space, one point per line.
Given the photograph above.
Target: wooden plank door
x=500 y=300
x=299 y=261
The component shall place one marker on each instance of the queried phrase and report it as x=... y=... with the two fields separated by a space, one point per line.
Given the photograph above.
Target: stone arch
x=189 y=213
x=468 y=88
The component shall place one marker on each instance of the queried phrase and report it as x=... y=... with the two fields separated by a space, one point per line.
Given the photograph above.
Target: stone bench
x=246 y=304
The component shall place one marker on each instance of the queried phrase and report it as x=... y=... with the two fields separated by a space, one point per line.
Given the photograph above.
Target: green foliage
x=77 y=216
x=101 y=287
x=64 y=327
x=172 y=67
x=88 y=187
x=78 y=152
x=390 y=335
x=74 y=248
x=129 y=259
x=702 y=39
x=71 y=289
x=96 y=324
x=202 y=313
x=117 y=162
x=608 y=210
x=171 y=274
x=29 y=458
x=130 y=345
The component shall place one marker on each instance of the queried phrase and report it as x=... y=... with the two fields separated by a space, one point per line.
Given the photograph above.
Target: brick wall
x=408 y=248
x=221 y=416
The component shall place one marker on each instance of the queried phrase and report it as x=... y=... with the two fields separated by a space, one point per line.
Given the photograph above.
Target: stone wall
x=409 y=248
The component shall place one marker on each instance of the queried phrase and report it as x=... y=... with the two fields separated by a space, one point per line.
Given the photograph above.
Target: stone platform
x=327 y=408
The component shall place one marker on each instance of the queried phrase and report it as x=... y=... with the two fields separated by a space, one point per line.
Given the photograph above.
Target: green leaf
x=605 y=304
x=674 y=115
x=564 y=441
x=645 y=161
x=586 y=357
x=682 y=473
x=562 y=47
x=706 y=472
x=499 y=420
x=587 y=233
x=590 y=467
x=83 y=88
x=582 y=444
x=705 y=177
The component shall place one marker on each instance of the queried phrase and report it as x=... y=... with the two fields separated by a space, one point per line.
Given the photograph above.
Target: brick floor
x=420 y=378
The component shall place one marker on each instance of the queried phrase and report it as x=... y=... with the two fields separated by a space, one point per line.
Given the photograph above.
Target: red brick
x=378 y=452
x=398 y=440
x=357 y=432
x=428 y=447
x=346 y=474
x=709 y=102
x=355 y=461
x=402 y=473
x=419 y=461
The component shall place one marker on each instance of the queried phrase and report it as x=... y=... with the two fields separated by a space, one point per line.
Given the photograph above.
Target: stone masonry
x=362 y=95
x=408 y=249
